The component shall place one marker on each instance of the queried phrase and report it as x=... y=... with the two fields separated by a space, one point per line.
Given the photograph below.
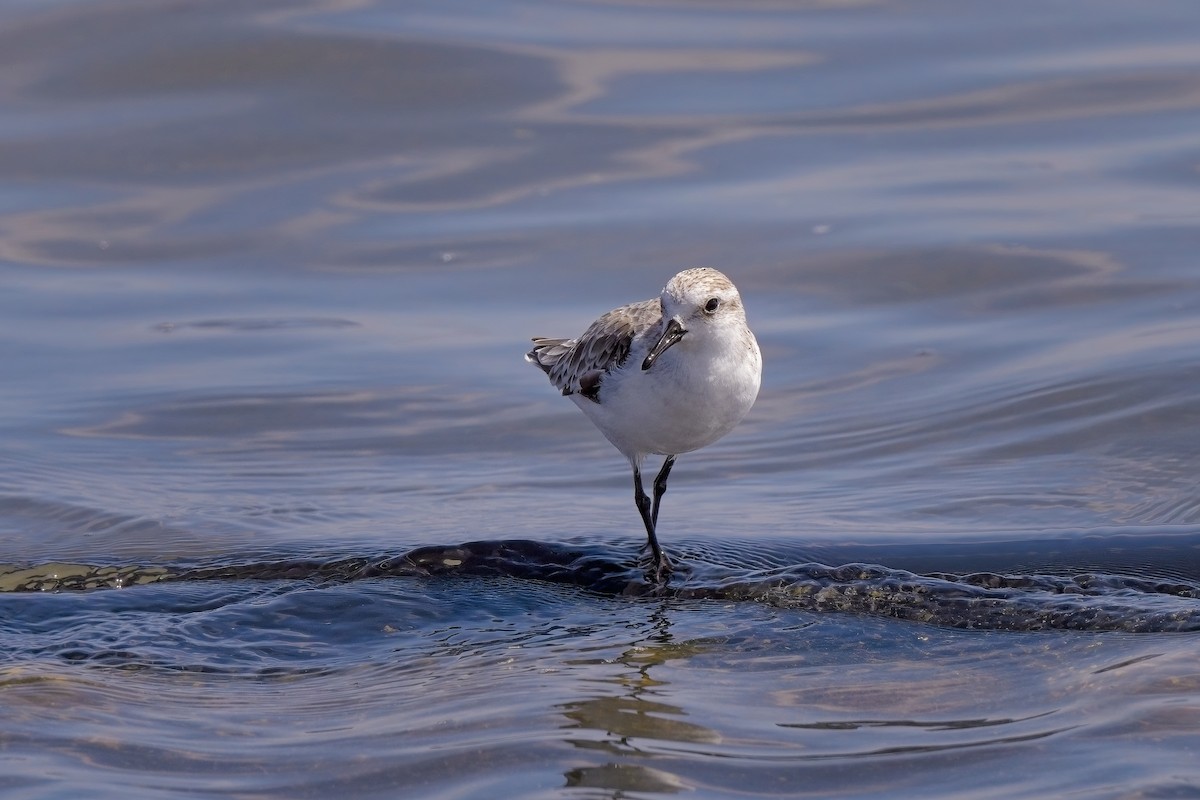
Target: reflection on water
x=266 y=288
x=611 y=692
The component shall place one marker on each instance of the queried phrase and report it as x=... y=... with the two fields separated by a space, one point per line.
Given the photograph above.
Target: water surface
x=267 y=273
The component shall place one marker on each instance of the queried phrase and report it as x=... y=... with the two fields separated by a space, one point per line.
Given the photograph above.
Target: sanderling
x=664 y=376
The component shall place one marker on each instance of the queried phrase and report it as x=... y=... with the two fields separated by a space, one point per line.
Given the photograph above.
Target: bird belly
x=668 y=410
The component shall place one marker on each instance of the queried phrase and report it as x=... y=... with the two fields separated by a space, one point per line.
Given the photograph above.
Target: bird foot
x=658 y=571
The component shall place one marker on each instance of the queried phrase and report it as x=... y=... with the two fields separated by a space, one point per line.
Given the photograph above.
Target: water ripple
x=1084 y=600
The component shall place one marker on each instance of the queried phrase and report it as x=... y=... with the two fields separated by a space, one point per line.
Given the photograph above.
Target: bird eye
x=711 y=306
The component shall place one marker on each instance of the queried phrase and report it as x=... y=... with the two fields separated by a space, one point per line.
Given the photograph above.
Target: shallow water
x=268 y=272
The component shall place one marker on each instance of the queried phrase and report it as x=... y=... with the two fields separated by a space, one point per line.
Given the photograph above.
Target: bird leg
x=660 y=487
x=662 y=567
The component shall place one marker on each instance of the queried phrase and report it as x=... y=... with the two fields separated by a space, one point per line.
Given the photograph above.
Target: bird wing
x=579 y=365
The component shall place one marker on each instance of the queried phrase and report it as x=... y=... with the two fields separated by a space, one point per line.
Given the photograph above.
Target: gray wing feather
x=579 y=365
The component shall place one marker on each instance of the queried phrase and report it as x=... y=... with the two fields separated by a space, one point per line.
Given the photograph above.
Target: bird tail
x=547 y=352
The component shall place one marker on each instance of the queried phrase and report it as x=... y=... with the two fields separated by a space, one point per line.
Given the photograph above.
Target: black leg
x=660 y=488
x=662 y=567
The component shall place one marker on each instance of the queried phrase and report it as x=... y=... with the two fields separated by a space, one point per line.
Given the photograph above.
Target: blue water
x=267 y=274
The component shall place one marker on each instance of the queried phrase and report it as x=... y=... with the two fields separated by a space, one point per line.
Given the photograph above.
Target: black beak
x=671 y=335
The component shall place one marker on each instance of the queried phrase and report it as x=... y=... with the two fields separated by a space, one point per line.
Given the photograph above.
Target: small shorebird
x=664 y=376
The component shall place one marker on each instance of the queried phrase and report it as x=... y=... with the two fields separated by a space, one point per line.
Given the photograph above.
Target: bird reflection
x=633 y=714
